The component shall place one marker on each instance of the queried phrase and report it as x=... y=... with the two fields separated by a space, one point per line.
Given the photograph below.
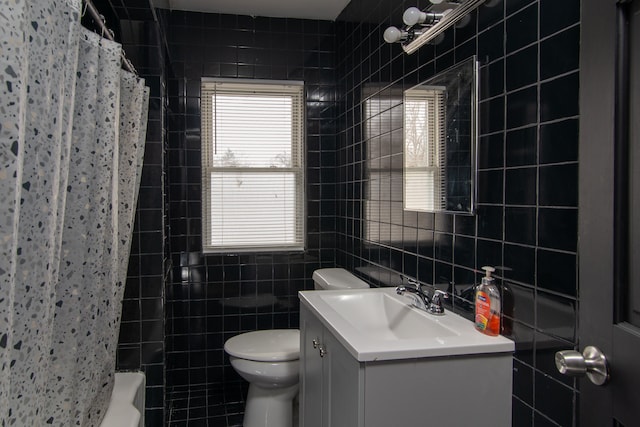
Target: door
x=609 y=210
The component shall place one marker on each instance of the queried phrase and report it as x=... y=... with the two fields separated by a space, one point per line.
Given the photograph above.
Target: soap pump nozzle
x=487 y=274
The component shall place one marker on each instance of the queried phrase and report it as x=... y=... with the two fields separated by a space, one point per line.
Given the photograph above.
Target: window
x=252 y=165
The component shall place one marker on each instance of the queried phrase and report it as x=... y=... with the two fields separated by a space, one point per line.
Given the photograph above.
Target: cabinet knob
x=322 y=350
x=315 y=343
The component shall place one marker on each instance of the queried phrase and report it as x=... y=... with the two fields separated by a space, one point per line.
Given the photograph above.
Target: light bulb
x=393 y=35
x=413 y=16
x=436 y=1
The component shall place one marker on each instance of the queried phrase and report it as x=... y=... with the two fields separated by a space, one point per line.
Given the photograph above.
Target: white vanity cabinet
x=326 y=367
x=338 y=390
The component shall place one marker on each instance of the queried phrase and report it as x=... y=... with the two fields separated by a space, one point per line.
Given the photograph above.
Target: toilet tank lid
x=337 y=278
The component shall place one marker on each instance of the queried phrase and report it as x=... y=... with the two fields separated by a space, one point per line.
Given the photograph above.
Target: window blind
x=424 y=157
x=252 y=166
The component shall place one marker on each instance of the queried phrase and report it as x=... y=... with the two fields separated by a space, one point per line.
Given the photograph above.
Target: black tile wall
x=213 y=297
x=141 y=344
x=526 y=221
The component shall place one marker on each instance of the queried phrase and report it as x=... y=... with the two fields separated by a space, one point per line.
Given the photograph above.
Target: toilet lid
x=275 y=345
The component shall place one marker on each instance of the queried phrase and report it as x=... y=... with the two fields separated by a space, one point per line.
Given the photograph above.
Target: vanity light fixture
x=395 y=35
x=422 y=27
x=414 y=16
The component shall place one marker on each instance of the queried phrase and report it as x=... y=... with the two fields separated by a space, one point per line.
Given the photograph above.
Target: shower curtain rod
x=106 y=32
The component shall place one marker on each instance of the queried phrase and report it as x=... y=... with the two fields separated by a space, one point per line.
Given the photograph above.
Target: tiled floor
x=210 y=406
x=206 y=406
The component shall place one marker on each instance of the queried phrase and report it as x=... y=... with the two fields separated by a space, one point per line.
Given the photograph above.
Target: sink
x=377 y=324
x=381 y=316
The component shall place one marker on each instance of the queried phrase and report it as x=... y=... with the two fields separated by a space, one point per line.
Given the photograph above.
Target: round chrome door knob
x=571 y=362
x=591 y=362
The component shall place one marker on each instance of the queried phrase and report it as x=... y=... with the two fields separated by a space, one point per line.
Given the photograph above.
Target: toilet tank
x=336 y=278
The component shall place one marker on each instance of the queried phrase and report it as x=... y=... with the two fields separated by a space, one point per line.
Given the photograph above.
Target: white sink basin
x=377 y=324
x=384 y=317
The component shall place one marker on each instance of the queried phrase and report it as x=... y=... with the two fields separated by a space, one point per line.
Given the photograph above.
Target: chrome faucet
x=422 y=299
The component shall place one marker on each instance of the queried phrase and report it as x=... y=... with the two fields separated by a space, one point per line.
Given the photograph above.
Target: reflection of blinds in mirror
x=424 y=143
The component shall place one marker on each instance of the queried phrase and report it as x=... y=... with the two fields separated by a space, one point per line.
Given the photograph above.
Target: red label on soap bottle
x=483 y=310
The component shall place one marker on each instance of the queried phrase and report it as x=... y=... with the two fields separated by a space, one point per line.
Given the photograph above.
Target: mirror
x=440 y=131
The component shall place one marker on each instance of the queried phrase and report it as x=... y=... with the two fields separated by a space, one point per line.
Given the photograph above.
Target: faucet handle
x=415 y=284
x=440 y=294
x=435 y=307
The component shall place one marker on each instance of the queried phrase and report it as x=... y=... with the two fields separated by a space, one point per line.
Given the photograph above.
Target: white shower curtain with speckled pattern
x=72 y=131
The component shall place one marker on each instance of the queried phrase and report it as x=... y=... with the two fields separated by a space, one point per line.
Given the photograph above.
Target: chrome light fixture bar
x=447 y=21
x=432 y=25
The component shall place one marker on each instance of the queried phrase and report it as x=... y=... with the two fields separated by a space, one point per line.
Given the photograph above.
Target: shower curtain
x=72 y=133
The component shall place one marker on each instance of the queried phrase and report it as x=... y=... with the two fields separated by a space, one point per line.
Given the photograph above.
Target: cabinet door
x=311 y=387
x=344 y=385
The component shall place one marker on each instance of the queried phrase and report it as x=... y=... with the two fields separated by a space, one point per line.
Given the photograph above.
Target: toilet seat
x=276 y=345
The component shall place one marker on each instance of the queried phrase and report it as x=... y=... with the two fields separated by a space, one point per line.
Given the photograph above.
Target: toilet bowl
x=269 y=361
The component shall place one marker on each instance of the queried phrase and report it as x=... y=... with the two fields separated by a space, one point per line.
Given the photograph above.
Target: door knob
x=591 y=362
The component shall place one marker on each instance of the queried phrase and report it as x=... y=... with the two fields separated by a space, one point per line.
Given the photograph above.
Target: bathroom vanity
x=369 y=359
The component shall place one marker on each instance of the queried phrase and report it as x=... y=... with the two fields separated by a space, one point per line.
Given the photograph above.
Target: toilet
x=269 y=361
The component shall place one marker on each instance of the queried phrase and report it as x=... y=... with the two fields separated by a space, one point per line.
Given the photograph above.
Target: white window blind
x=252 y=166
x=424 y=143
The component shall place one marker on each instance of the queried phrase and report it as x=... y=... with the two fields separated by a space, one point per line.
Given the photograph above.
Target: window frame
x=207 y=164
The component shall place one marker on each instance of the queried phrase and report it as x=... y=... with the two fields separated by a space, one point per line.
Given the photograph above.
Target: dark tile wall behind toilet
x=213 y=297
x=526 y=222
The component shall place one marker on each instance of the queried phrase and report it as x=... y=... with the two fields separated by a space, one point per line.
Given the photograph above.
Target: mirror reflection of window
x=424 y=148
x=439 y=141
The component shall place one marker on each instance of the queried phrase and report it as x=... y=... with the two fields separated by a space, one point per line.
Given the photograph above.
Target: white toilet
x=268 y=360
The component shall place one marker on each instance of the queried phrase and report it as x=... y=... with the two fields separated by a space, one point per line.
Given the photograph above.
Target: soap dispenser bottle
x=487 y=305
